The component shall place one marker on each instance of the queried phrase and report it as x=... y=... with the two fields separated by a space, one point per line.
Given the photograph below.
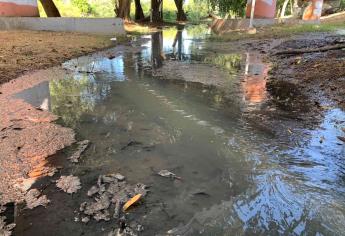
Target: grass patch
x=278 y=31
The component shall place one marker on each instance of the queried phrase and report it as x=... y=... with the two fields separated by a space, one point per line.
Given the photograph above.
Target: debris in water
x=131 y=201
x=168 y=174
x=131 y=143
x=82 y=145
x=34 y=199
x=93 y=190
x=341 y=138
x=201 y=193
x=102 y=203
x=5 y=230
x=102 y=215
x=69 y=184
x=109 y=195
x=127 y=230
x=322 y=139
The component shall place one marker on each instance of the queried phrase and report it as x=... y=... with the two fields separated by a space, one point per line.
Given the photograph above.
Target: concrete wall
x=103 y=26
x=227 y=25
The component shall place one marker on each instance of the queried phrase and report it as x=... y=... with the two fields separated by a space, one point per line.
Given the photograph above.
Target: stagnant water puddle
x=235 y=179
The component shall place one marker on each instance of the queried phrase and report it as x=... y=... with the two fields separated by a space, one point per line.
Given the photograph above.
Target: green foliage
x=83 y=6
x=80 y=8
x=230 y=62
x=232 y=7
x=196 y=10
x=103 y=8
x=66 y=9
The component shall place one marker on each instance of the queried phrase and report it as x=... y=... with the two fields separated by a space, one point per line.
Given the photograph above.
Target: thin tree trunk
x=139 y=14
x=282 y=14
x=181 y=15
x=50 y=8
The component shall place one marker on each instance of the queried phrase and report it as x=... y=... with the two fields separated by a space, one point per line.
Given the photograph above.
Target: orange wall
x=263 y=9
x=13 y=9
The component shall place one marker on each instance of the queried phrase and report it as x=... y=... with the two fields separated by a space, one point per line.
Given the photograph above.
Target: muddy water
x=236 y=178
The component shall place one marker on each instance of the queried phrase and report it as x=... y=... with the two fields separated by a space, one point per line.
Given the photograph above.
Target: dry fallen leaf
x=131 y=201
x=69 y=184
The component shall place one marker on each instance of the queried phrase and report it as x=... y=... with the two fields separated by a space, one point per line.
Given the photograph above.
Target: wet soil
x=320 y=75
x=28 y=137
x=24 y=51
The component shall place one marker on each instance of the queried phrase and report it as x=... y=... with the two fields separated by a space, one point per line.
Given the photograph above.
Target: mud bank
x=28 y=137
x=24 y=51
x=318 y=75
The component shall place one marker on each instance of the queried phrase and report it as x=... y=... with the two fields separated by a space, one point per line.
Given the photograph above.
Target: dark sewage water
x=235 y=179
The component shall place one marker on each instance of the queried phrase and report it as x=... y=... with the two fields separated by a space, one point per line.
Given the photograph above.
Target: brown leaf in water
x=341 y=138
x=131 y=201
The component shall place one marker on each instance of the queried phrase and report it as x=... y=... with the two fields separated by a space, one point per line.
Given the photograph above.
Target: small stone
x=85 y=220
x=33 y=199
x=119 y=177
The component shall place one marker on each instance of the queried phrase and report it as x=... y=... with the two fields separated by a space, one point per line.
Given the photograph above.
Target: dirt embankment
x=28 y=136
x=23 y=51
x=320 y=76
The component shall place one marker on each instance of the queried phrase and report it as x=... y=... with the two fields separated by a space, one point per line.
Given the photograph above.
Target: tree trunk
x=157 y=53
x=139 y=14
x=181 y=15
x=123 y=9
x=157 y=10
x=50 y=8
x=282 y=14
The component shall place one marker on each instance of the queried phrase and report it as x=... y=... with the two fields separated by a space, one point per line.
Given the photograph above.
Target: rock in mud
x=69 y=184
x=85 y=219
x=82 y=146
x=167 y=174
x=33 y=199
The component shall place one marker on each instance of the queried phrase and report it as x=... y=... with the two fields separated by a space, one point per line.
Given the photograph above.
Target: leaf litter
x=69 y=184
